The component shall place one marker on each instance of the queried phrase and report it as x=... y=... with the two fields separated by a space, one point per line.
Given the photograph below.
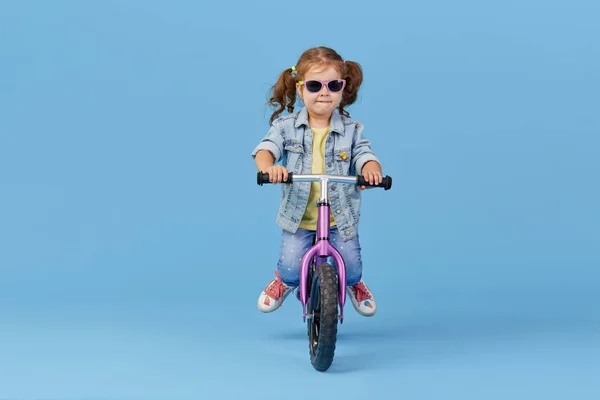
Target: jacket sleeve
x=273 y=142
x=361 y=150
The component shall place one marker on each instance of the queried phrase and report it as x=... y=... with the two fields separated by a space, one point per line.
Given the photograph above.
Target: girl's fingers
x=374 y=178
x=273 y=174
x=277 y=174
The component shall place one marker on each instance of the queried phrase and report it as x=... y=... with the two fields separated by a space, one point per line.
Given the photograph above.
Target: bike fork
x=319 y=252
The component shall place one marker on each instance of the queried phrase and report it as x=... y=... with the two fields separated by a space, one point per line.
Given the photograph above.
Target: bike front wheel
x=323 y=320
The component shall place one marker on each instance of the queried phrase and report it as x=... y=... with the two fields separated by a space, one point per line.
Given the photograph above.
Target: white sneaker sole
x=261 y=307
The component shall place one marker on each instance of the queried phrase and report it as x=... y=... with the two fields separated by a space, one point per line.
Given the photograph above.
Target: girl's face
x=324 y=102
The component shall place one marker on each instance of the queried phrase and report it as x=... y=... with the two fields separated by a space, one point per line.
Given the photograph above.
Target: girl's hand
x=277 y=173
x=372 y=173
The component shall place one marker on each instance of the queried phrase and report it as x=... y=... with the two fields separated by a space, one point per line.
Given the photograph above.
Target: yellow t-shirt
x=309 y=219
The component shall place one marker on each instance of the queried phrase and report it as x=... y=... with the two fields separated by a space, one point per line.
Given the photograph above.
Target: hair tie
x=293 y=71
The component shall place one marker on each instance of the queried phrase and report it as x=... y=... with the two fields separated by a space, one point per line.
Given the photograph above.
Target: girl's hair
x=284 y=91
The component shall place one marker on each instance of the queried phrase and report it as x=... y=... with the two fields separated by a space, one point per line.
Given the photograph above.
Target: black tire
x=322 y=327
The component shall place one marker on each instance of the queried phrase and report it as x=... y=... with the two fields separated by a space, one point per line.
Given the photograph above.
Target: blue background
x=134 y=241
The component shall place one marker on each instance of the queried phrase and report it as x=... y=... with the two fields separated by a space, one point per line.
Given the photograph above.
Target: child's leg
x=350 y=252
x=293 y=247
x=360 y=295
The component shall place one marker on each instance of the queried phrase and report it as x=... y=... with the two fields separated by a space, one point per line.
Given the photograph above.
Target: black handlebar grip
x=386 y=182
x=263 y=177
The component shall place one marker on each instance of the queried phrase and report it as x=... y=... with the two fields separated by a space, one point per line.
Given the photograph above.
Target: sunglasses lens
x=335 y=86
x=313 y=86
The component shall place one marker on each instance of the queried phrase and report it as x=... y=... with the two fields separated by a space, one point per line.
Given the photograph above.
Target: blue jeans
x=295 y=245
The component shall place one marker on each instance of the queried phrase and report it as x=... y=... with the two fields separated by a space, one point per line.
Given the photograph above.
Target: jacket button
x=329 y=164
x=333 y=187
x=338 y=212
x=346 y=232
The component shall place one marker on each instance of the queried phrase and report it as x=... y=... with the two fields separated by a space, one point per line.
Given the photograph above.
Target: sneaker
x=362 y=299
x=272 y=297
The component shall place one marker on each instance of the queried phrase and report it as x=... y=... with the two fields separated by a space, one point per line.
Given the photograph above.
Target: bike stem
x=324 y=209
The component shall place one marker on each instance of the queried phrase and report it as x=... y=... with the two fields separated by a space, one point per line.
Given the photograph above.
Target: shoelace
x=361 y=292
x=275 y=290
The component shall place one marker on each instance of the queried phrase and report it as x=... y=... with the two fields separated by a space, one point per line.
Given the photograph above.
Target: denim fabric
x=295 y=245
x=289 y=139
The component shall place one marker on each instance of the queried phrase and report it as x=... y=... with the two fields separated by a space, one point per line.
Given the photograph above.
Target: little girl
x=319 y=139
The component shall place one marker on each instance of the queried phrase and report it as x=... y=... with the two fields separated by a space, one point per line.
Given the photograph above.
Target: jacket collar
x=336 y=123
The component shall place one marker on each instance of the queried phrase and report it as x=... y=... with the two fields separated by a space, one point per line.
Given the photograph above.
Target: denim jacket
x=289 y=139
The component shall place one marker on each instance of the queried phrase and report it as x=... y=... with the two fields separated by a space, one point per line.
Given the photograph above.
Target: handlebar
x=386 y=183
